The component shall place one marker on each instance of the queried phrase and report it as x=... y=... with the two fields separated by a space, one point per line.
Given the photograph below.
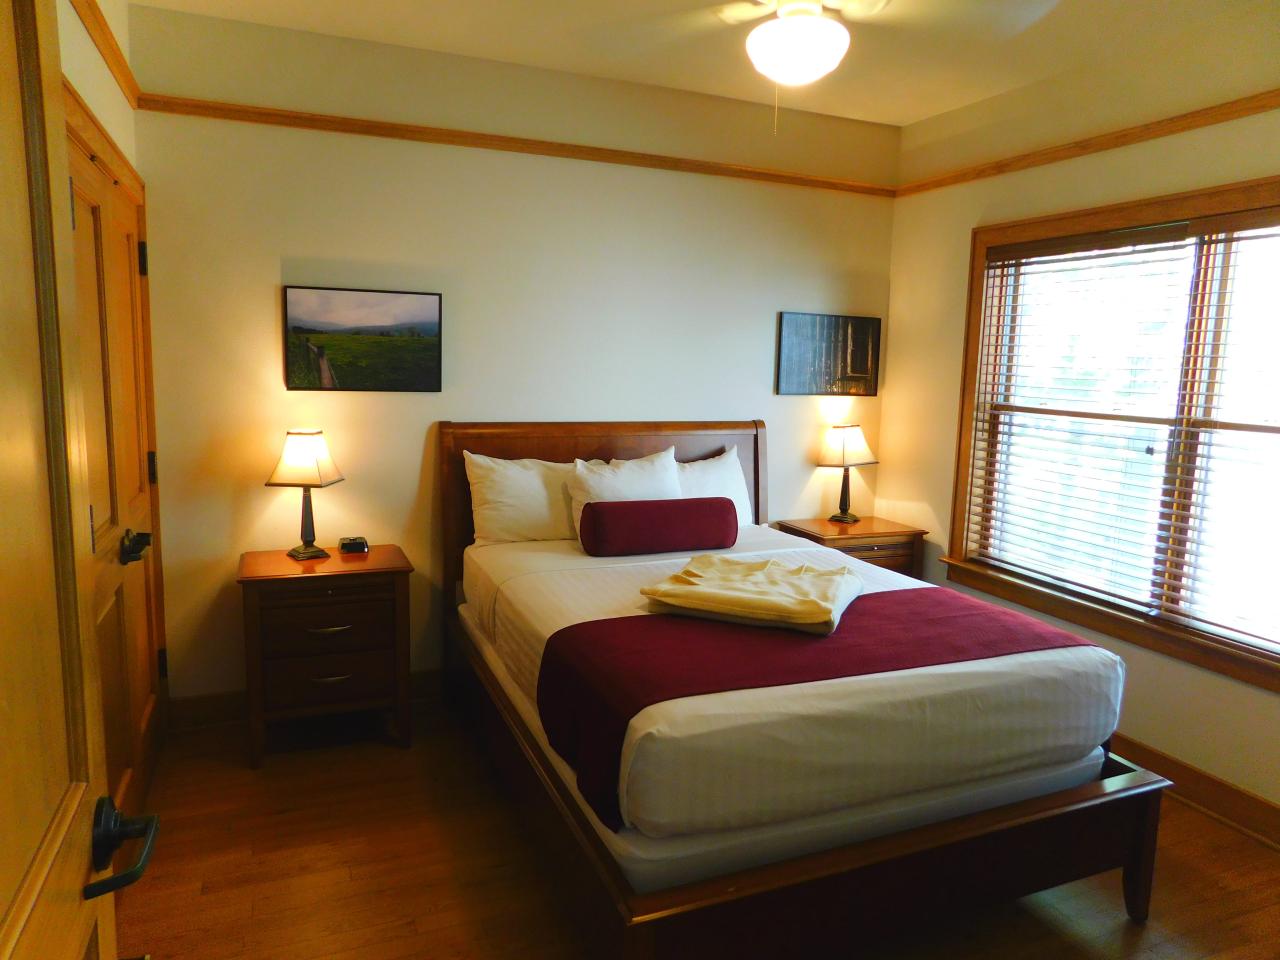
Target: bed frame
x=990 y=856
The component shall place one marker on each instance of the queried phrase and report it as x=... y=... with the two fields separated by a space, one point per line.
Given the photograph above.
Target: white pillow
x=647 y=478
x=718 y=477
x=515 y=500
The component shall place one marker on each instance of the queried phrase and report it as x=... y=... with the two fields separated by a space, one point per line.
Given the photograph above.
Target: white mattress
x=657 y=863
x=745 y=758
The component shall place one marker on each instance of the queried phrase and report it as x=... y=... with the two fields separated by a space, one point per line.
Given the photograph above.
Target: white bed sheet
x=744 y=758
x=658 y=863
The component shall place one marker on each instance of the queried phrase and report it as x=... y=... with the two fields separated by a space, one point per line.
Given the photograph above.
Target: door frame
x=87 y=134
x=37 y=920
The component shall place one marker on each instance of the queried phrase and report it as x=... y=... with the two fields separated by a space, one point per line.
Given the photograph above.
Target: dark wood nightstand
x=882 y=542
x=325 y=636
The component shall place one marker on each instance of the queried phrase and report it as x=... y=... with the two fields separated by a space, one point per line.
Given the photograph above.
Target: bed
x=991 y=814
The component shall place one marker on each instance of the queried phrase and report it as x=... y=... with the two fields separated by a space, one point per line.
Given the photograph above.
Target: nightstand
x=325 y=636
x=885 y=543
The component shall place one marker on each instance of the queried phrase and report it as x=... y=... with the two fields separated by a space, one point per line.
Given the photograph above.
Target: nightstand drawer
x=872 y=551
x=299 y=682
x=342 y=589
x=885 y=543
x=327 y=628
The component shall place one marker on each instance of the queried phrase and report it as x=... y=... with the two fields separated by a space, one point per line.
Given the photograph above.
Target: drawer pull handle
x=342 y=629
x=334 y=679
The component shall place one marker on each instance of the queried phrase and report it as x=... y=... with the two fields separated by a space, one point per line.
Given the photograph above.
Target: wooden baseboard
x=426 y=686
x=1246 y=811
x=210 y=710
x=217 y=709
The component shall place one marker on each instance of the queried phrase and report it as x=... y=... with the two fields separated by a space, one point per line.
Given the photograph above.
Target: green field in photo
x=365 y=361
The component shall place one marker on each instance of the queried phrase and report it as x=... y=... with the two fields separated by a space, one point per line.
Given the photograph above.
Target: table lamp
x=305 y=462
x=845 y=446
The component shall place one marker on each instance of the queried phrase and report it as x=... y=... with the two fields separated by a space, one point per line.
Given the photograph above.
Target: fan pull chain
x=775 y=109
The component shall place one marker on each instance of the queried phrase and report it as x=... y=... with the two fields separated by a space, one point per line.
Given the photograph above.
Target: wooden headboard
x=564 y=442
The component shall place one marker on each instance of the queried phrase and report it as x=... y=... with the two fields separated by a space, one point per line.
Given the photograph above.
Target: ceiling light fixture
x=799 y=46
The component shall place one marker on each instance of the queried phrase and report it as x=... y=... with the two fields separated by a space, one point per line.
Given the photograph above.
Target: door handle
x=131 y=546
x=111 y=829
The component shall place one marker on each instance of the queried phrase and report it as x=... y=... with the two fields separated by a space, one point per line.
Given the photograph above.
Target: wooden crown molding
x=273 y=116
x=1221 y=113
x=95 y=23
x=1193 y=120
x=100 y=32
x=89 y=135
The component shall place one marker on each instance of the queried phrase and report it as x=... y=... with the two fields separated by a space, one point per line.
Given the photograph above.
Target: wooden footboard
x=990 y=856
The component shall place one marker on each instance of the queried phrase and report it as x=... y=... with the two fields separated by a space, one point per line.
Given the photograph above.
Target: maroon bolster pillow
x=620 y=528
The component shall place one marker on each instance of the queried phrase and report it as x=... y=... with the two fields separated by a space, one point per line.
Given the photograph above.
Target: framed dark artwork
x=822 y=353
x=339 y=339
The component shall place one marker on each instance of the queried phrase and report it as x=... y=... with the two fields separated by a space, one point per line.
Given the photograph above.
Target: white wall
x=577 y=290
x=571 y=291
x=1220 y=725
x=84 y=67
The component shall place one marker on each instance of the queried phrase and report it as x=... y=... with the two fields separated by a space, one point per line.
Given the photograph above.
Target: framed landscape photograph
x=337 y=339
x=828 y=354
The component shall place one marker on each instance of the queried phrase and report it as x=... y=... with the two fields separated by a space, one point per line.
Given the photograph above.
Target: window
x=1121 y=434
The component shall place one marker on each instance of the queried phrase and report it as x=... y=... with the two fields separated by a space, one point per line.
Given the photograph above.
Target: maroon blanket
x=596 y=676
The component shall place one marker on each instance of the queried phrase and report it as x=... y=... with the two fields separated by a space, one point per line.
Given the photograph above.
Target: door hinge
x=153 y=471
x=71 y=184
x=142 y=258
x=162 y=663
x=93 y=535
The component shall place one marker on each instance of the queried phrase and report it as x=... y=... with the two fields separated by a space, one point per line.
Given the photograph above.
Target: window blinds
x=1126 y=425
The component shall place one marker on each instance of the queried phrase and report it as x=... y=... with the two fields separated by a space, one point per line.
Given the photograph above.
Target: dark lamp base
x=844 y=515
x=308 y=551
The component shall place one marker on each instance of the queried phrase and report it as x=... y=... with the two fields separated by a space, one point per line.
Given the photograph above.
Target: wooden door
x=110 y=326
x=51 y=747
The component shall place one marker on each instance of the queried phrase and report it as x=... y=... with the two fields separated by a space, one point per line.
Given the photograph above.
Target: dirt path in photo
x=327 y=380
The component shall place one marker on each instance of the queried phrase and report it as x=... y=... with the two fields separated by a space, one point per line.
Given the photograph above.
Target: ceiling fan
x=801 y=44
x=744 y=11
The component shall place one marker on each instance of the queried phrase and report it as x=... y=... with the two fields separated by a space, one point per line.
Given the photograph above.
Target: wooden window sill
x=1234 y=659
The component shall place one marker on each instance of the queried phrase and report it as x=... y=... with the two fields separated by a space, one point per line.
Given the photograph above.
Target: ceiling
x=915 y=59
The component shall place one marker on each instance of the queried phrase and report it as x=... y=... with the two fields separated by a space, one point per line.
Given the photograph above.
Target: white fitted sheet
x=744 y=758
x=657 y=863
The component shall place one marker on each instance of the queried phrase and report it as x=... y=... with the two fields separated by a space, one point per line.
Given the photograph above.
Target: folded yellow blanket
x=764 y=592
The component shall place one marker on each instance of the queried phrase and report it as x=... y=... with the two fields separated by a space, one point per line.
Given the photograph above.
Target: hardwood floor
x=353 y=849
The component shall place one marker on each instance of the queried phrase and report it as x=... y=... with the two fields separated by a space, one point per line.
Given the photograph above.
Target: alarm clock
x=353 y=545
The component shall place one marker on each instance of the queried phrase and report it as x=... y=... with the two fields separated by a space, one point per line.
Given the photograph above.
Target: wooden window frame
x=1234 y=658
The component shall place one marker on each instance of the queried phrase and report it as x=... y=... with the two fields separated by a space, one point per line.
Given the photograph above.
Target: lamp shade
x=304 y=461
x=798 y=46
x=846 y=446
